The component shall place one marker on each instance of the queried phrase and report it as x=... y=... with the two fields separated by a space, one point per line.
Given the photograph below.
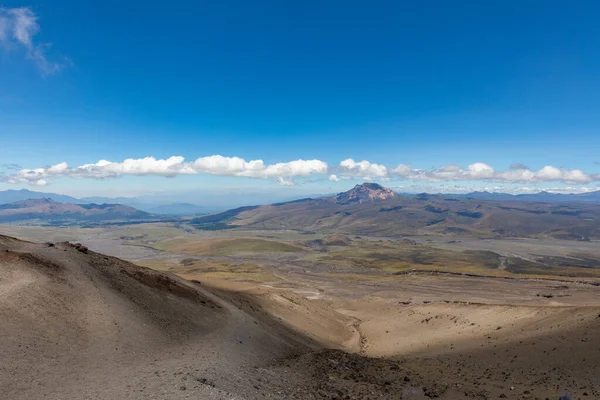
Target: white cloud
x=549 y=173
x=284 y=172
x=219 y=165
x=575 y=176
x=402 y=170
x=176 y=165
x=448 y=172
x=516 y=175
x=58 y=168
x=504 y=188
x=546 y=174
x=479 y=171
x=285 y=182
x=296 y=168
x=18 y=28
x=363 y=169
x=476 y=171
x=235 y=166
x=570 y=189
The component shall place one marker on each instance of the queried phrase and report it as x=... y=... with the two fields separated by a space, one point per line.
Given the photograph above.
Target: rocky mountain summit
x=367 y=192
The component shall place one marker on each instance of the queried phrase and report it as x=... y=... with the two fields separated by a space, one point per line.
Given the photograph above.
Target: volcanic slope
x=80 y=325
x=370 y=209
x=76 y=324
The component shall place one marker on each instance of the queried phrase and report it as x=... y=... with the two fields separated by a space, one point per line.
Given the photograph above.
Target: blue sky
x=438 y=86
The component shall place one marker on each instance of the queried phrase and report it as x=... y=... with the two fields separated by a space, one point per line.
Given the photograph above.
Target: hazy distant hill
x=188 y=203
x=178 y=209
x=592 y=197
x=11 y=196
x=544 y=197
x=417 y=214
x=48 y=210
x=144 y=204
x=128 y=201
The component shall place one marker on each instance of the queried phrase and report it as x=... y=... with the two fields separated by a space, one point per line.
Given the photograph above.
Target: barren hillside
x=80 y=325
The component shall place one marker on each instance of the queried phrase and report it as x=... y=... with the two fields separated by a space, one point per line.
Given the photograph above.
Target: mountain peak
x=45 y=200
x=366 y=192
x=34 y=202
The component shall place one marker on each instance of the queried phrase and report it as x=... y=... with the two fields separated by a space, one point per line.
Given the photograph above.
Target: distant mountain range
x=48 y=210
x=178 y=209
x=11 y=196
x=175 y=209
x=175 y=204
x=543 y=197
x=371 y=209
x=203 y=202
x=161 y=205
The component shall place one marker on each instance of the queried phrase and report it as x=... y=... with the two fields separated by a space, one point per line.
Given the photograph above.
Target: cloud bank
x=484 y=172
x=174 y=166
x=18 y=28
x=363 y=169
x=285 y=173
